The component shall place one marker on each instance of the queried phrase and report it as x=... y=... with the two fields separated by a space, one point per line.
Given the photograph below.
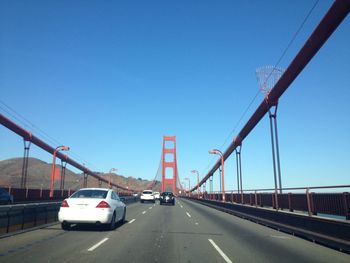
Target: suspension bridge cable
x=276 y=65
x=29 y=125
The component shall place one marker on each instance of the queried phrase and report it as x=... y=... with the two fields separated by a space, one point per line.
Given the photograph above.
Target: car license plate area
x=82 y=206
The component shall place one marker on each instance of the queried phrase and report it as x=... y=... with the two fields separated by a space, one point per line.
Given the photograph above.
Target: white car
x=156 y=195
x=92 y=206
x=147 y=195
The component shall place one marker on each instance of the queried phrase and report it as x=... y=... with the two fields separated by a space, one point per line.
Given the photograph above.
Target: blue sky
x=111 y=78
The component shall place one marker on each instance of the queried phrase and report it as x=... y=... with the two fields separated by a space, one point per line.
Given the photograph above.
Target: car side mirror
x=122 y=199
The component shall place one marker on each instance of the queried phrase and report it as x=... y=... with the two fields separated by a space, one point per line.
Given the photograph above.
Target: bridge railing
x=331 y=204
x=40 y=195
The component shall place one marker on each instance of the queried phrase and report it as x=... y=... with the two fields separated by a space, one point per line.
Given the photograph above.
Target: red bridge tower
x=169 y=163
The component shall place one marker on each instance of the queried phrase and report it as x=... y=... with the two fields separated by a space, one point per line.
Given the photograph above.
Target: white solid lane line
x=144 y=212
x=220 y=251
x=98 y=244
x=132 y=220
x=188 y=214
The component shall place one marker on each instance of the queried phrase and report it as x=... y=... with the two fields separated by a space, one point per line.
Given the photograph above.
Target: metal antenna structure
x=267 y=78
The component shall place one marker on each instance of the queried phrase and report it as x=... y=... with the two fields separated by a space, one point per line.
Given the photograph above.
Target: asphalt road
x=187 y=232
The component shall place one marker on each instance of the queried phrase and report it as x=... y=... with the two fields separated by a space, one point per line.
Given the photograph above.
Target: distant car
x=156 y=195
x=147 y=195
x=92 y=206
x=167 y=198
x=5 y=197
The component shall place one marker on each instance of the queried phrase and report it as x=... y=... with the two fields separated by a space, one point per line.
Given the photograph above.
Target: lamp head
x=63 y=148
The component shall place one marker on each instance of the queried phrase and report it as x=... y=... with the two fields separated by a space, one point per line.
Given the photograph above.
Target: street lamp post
x=59 y=148
x=184 y=186
x=218 y=152
x=189 y=185
x=198 y=192
x=110 y=177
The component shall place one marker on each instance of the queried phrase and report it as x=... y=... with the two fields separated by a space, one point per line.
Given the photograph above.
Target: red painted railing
x=312 y=203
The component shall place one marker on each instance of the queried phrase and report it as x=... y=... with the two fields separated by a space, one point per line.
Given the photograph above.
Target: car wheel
x=141 y=201
x=123 y=218
x=154 y=201
x=65 y=226
x=112 y=224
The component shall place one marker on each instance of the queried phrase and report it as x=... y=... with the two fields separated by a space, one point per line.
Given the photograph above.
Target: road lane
x=53 y=244
x=245 y=241
x=166 y=234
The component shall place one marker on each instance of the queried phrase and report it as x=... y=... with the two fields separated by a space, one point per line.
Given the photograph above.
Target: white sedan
x=92 y=206
x=147 y=195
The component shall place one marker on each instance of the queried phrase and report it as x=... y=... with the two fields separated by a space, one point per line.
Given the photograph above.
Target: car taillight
x=103 y=204
x=64 y=203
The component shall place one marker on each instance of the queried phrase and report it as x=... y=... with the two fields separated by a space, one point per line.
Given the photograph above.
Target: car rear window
x=101 y=194
x=147 y=192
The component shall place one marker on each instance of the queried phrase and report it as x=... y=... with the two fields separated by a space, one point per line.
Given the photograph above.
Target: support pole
x=85 y=179
x=239 y=171
x=211 y=185
x=275 y=152
x=63 y=174
x=220 y=173
x=25 y=163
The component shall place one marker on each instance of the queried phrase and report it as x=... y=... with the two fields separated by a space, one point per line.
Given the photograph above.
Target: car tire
x=141 y=201
x=65 y=226
x=154 y=201
x=112 y=224
x=122 y=221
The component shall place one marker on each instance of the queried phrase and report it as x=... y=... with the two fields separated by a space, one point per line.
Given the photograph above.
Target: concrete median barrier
x=25 y=216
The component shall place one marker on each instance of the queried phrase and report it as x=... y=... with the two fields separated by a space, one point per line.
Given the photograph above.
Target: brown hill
x=39 y=173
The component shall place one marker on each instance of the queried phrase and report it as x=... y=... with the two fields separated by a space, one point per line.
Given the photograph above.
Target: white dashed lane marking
x=132 y=220
x=144 y=212
x=220 y=251
x=188 y=214
x=97 y=245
